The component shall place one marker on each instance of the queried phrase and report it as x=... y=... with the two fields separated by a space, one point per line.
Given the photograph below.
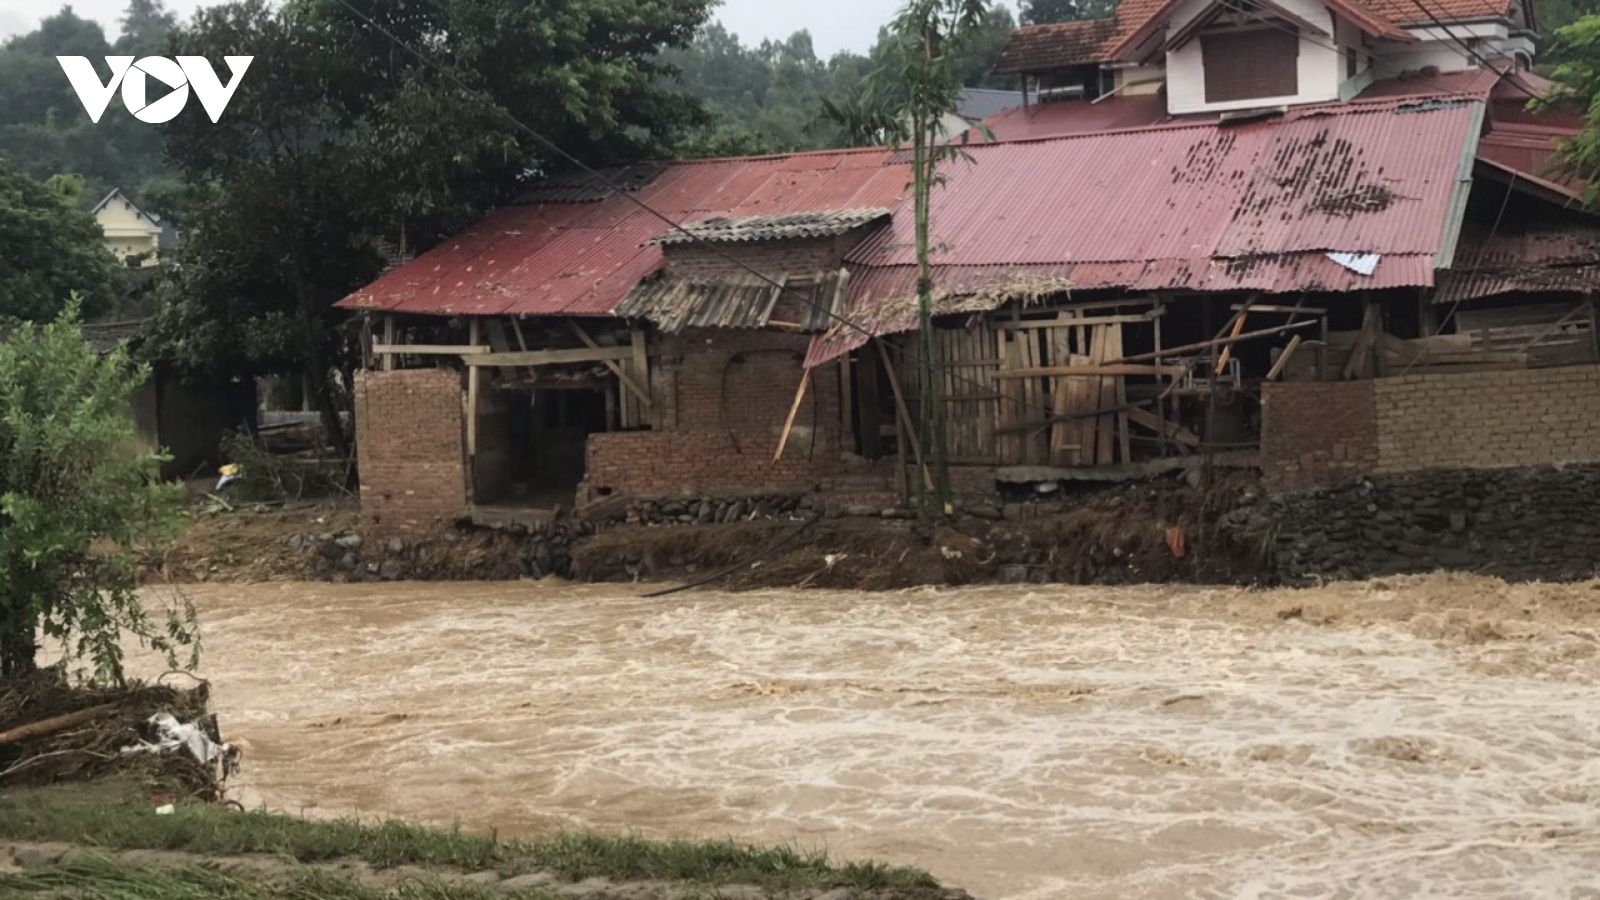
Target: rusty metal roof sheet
x=768 y=228
x=575 y=258
x=1540 y=261
x=741 y=302
x=1369 y=178
x=1190 y=206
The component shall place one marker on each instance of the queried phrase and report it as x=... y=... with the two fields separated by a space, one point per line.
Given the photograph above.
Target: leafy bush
x=75 y=503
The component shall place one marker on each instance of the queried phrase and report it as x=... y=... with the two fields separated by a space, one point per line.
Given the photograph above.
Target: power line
x=904 y=353
x=1467 y=49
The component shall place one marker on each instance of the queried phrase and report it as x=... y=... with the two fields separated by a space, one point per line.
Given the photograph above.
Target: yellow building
x=136 y=238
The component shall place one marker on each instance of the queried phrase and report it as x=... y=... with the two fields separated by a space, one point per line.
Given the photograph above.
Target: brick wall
x=410 y=450
x=722 y=419
x=1488 y=419
x=1319 y=433
x=1316 y=432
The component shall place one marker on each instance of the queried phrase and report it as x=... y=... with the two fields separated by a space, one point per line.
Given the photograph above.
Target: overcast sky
x=834 y=24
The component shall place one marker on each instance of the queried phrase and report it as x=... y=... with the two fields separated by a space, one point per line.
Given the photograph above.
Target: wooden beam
x=1283 y=358
x=794 y=410
x=622 y=376
x=1227 y=352
x=1092 y=371
x=1059 y=321
x=433 y=349
x=548 y=357
x=1208 y=345
x=906 y=424
x=1146 y=419
x=1269 y=308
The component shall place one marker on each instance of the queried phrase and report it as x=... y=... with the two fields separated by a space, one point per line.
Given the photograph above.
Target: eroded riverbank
x=1412 y=738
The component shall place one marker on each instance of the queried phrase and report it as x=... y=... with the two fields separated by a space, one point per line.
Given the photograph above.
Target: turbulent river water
x=1432 y=737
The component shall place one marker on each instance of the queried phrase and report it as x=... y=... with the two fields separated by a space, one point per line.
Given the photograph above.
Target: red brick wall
x=410 y=449
x=1317 y=432
x=722 y=420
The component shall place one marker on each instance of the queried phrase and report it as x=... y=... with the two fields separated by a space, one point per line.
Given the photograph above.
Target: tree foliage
x=397 y=121
x=1044 y=12
x=43 y=127
x=1578 y=87
x=75 y=502
x=49 y=247
x=779 y=97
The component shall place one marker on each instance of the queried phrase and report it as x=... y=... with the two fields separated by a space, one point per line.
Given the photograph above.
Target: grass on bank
x=101 y=878
x=31 y=816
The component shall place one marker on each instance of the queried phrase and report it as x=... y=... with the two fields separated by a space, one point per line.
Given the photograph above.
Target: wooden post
x=847 y=406
x=794 y=410
x=1594 y=328
x=474 y=376
x=1427 y=319
x=388 y=338
x=905 y=416
x=1161 y=401
x=1283 y=358
x=641 y=373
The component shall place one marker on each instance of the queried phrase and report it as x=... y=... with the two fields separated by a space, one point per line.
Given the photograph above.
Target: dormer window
x=1250 y=64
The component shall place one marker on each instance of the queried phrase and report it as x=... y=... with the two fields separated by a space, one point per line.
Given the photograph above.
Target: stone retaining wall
x=1523 y=524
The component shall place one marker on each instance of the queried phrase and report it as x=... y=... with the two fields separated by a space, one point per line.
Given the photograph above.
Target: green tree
x=397 y=120
x=49 y=247
x=930 y=37
x=75 y=505
x=1578 y=87
x=1044 y=12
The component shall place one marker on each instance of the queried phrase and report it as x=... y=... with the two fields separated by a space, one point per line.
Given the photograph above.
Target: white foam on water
x=1428 y=738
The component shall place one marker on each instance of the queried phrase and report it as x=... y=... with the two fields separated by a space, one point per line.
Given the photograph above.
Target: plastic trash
x=172 y=734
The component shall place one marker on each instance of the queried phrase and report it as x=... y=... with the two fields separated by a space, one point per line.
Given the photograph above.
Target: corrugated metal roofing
x=584 y=258
x=1191 y=206
x=673 y=305
x=767 y=228
x=1537 y=262
x=1367 y=178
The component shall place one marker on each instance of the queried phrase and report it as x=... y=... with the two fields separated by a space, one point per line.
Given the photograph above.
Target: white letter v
x=94 y=95
x=213 y=94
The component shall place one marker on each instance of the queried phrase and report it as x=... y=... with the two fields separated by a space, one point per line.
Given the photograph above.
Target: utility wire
x=552 y=146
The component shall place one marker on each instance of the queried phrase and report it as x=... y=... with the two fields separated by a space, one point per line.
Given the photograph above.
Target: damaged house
x=1320 y=238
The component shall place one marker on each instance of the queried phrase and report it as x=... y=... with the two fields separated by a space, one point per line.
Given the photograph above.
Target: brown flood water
x=1432 y=737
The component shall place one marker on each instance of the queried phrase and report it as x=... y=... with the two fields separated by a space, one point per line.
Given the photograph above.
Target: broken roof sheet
x=769 y=228
x=739 y=302
x=583 y=258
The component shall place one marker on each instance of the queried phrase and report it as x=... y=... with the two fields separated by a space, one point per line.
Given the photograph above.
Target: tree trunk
x=327 y=410
x=18 y=648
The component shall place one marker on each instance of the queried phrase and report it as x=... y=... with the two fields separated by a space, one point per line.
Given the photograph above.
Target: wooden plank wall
x=996 y=414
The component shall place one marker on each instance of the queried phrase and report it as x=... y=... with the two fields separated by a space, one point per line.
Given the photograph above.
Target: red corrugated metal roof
x=584 y=258
x=1360 y=178
x=1188 y=206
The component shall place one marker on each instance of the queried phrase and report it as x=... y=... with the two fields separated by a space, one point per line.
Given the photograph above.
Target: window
x=1350 y=65
x=1251 y=64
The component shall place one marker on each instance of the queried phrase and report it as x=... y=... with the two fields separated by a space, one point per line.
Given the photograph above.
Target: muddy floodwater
x=1434 y=737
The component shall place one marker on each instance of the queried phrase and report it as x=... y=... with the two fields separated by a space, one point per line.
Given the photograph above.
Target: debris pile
x=52 y=731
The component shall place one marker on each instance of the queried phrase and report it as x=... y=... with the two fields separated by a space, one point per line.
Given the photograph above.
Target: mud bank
x=1163 y=530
